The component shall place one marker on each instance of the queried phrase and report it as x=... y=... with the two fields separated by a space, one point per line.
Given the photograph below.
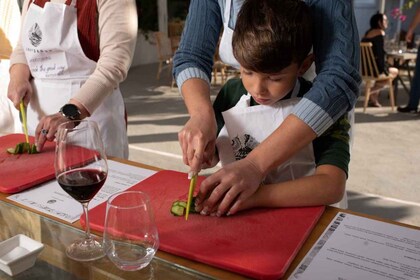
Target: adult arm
x=117 y=28
x=19 y=87
x=334 y=92
x=413 y=25
x=192 y=69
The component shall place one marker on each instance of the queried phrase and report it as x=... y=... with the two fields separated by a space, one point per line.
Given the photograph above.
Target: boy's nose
x=258 y=87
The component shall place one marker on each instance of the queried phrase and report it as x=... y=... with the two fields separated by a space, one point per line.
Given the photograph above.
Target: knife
x=23 y=120
x=193 y=182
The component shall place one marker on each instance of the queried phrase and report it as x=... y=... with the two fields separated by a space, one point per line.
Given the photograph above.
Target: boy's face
x=267 y=89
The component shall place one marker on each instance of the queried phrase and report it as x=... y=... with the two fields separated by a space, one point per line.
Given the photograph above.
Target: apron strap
x=71 y=3
x=41 y=3
x=227 y=13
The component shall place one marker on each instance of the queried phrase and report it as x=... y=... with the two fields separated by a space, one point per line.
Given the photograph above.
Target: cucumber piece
x=179 y=206
x=33 y=150
x=26 y=147
x=177 y=210
x=19 y=148
x=181 y=203
x=11 y=151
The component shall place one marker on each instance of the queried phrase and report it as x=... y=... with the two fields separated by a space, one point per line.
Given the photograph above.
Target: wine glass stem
x=87 y=226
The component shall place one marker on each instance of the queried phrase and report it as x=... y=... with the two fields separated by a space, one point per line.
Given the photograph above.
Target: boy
x=271 y=42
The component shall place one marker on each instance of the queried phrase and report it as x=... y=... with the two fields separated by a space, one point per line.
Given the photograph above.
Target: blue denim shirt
x=336 y=48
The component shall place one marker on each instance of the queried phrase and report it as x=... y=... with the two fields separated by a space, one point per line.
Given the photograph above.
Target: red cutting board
x=259 y=243
x=22 y=171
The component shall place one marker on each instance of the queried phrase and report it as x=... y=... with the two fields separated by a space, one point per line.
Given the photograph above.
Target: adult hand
x=46 y=129
x=225 y=191
x=409 y=36
x=19 y=89
x=198 y=141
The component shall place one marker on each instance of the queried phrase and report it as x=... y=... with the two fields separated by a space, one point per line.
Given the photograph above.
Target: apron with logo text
x=60 y=67
x=247 y=126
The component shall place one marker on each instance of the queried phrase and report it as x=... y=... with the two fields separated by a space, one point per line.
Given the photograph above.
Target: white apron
x=60 y=67
x=246 y=127
x=225 y=46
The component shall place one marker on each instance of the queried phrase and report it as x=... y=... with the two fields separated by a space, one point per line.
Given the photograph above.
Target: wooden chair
x=164 y=52
x=370 y=74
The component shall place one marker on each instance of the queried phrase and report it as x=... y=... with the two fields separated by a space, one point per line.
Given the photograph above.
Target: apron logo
x=35 y=35
x=242 y=145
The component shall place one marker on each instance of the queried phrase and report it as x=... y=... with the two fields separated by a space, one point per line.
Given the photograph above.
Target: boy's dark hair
x=272 y=34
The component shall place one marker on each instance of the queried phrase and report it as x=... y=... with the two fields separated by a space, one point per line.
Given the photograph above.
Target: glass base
x=84 y=250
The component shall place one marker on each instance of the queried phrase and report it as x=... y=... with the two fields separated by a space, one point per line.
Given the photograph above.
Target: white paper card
x=51 y=199
x=354 y=248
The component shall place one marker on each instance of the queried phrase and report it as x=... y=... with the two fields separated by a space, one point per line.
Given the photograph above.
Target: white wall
x=145 y=52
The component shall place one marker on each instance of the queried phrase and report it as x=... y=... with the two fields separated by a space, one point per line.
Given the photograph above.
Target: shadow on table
x=374 y=206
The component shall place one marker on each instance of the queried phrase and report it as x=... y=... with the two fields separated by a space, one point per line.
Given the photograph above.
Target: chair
x=370 y=74
x=164 y=52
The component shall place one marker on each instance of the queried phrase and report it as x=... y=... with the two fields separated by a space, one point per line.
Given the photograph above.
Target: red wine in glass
x=82 y=184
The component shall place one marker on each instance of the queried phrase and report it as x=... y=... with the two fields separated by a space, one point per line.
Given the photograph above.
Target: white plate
x=18 y=254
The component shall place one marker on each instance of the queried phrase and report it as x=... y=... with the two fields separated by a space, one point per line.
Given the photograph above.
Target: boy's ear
x=307 y=62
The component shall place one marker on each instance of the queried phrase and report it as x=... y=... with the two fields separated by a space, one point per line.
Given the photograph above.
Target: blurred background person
x=376 y=36
x=413 y=101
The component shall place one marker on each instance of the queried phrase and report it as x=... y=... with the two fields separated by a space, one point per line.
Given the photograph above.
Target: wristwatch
x=71 y=112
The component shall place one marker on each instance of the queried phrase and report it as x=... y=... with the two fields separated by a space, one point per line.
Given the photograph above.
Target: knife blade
x=23 y=120
x=193 y=182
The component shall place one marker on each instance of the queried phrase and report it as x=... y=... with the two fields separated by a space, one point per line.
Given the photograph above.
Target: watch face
x=70 y=111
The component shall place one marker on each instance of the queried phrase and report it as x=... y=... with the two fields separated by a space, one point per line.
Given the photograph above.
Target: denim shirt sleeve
x=194 y=57
x=336 y=48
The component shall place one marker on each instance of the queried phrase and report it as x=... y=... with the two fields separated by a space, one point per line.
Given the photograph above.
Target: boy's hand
x=225 y=191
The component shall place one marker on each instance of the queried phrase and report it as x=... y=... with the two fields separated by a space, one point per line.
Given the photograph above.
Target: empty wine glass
x=81 y=170
x=130 y=233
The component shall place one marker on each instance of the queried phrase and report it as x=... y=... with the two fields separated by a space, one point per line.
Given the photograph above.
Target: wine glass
x=130 y=233
x=81 y=170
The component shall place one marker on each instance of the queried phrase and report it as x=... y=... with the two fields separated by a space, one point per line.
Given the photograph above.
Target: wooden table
x=56 y=234
x=401 y=61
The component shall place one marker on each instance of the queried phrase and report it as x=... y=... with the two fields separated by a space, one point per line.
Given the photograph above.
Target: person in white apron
x=60 y=68
x=269 y=72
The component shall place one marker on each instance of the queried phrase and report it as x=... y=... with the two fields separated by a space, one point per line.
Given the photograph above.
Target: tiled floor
x=384 y=175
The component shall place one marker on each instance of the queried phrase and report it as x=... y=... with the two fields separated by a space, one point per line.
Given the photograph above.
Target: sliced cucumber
x=179 y=206
x=177 y=210
x=33 y=149
x=23 y=147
